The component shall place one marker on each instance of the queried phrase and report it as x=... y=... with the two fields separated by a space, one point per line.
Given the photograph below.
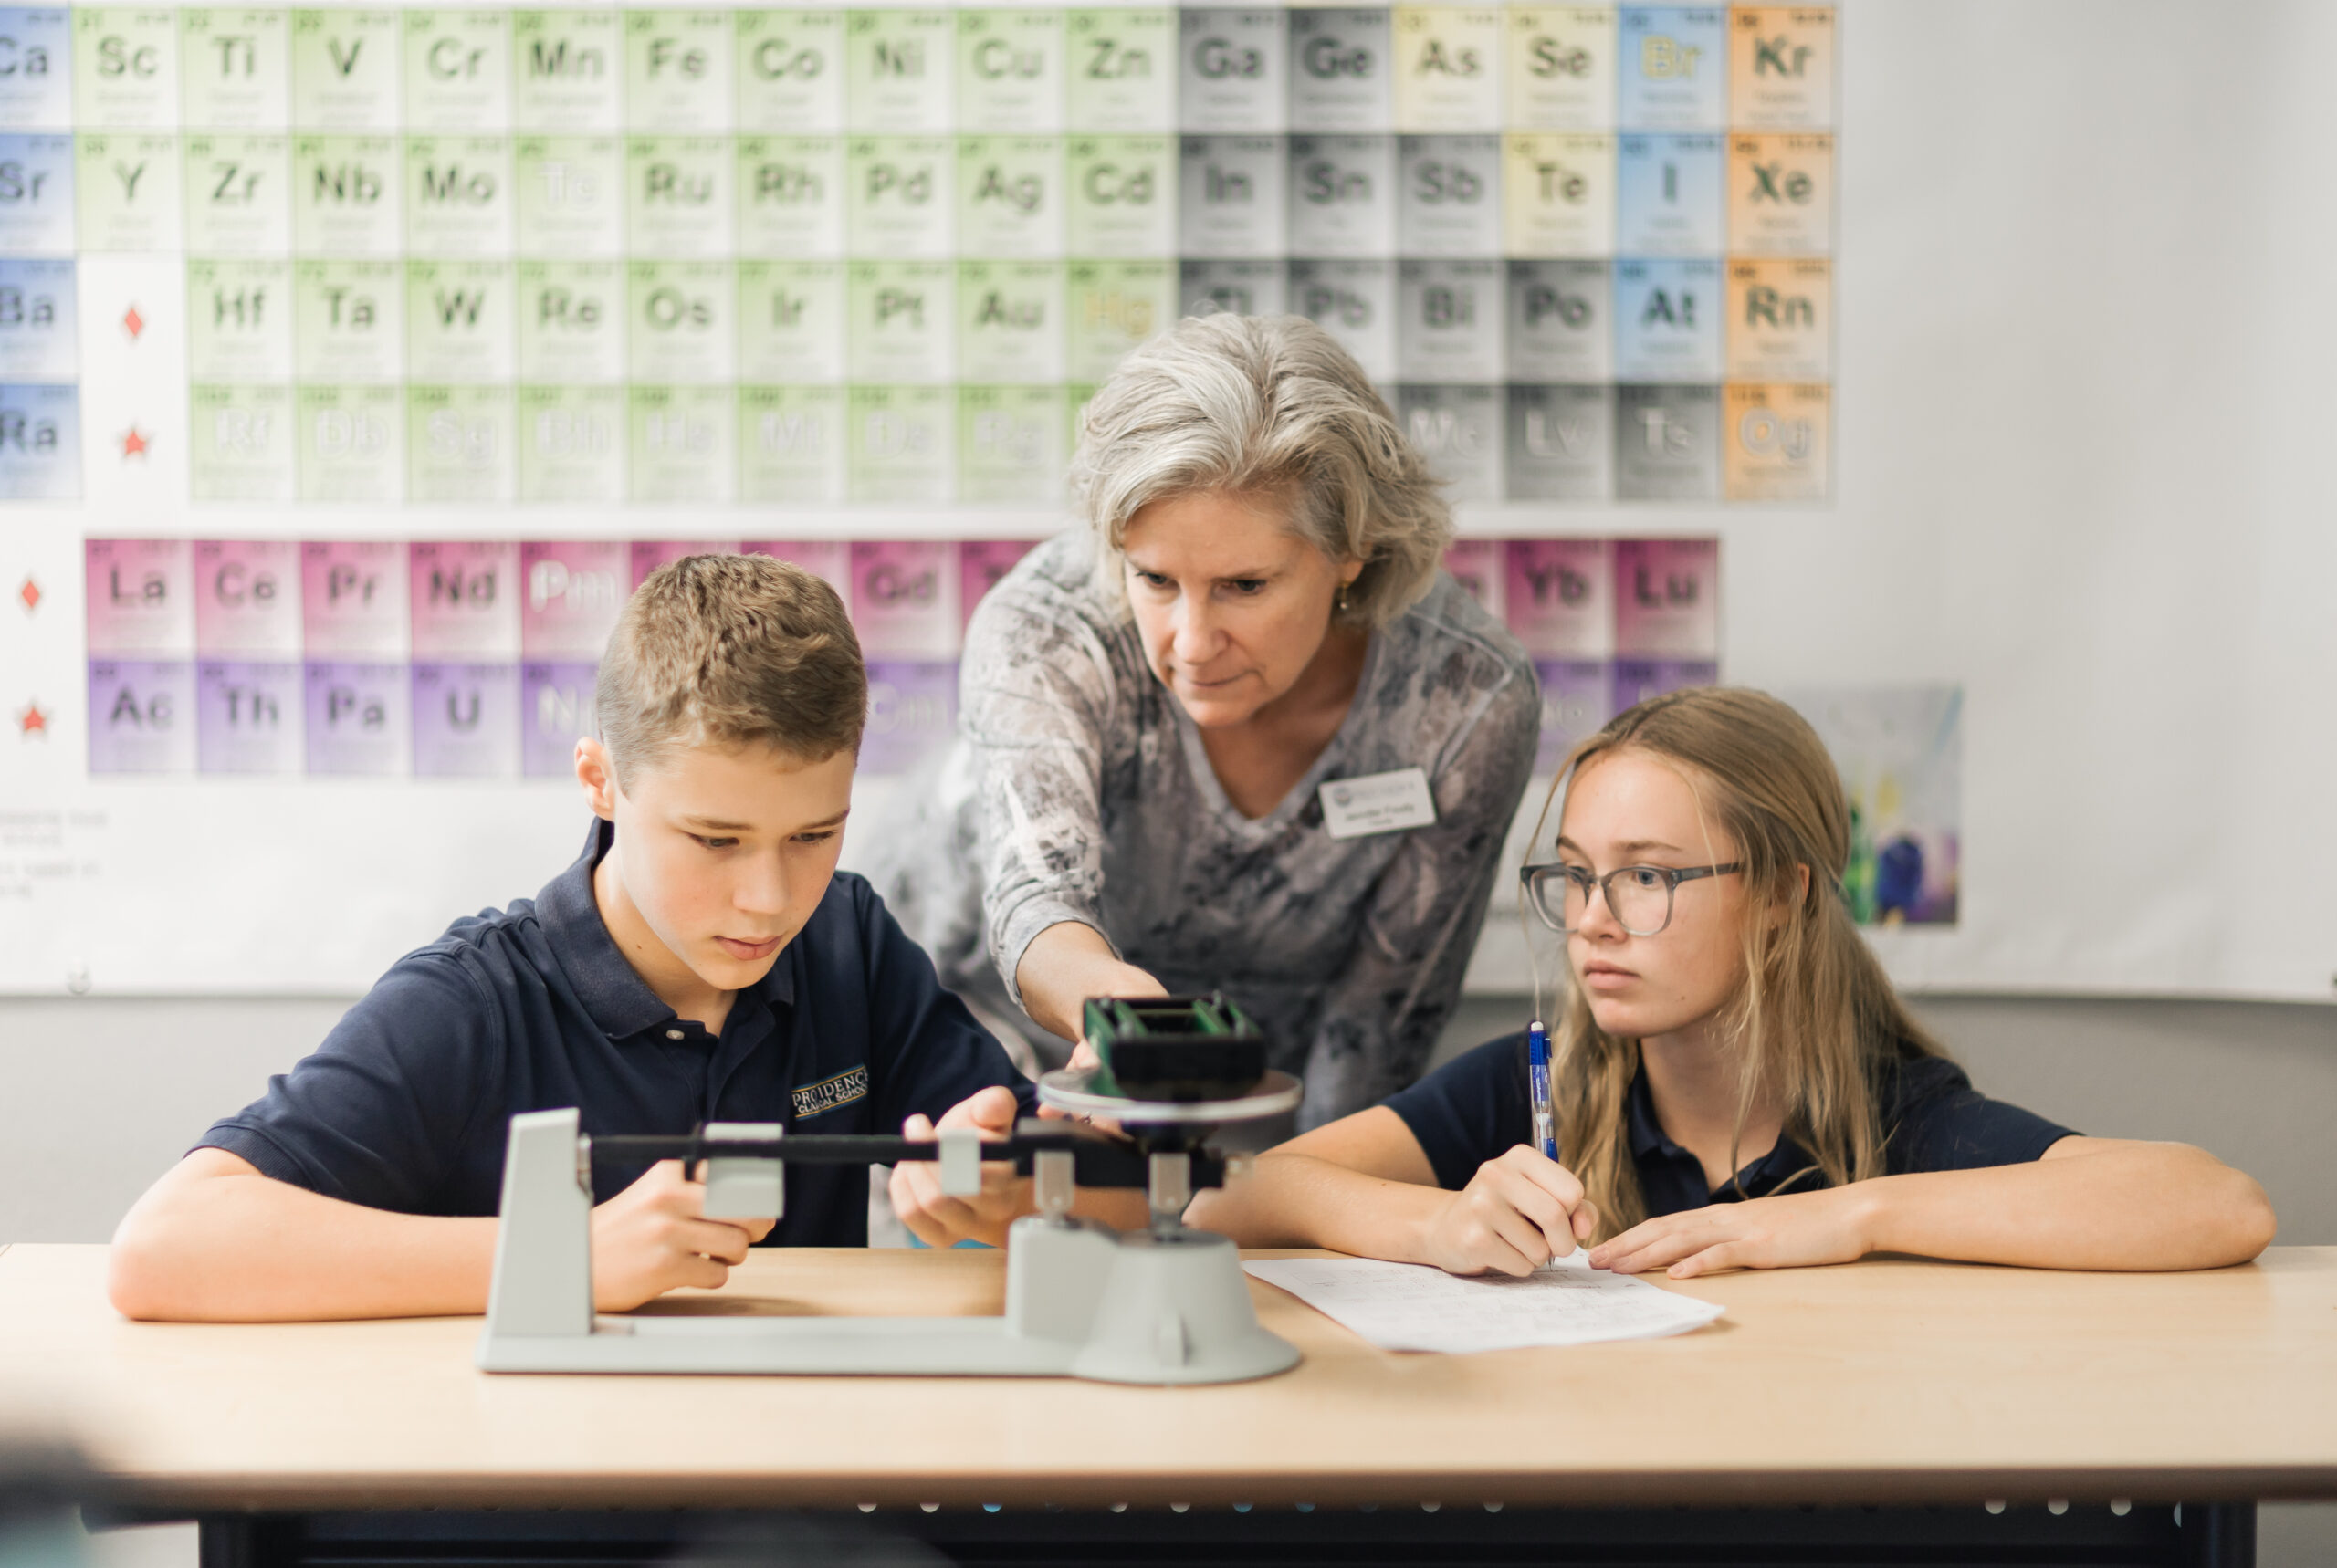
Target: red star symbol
x=133 y=444
x=133 y=323
x=30 y=595
x=33 y=722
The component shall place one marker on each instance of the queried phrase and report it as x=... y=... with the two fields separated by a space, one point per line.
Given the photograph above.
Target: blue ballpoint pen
x=1537 y=1089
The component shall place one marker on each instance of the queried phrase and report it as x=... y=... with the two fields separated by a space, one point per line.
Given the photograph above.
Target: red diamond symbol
x=133 y=323
x=30 y=595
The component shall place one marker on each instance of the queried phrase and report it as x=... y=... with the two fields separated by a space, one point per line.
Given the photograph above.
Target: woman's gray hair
x=1266 y=403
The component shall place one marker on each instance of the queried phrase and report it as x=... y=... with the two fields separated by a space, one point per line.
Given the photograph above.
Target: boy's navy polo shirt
x=1474 y=1109
x=407 y=1105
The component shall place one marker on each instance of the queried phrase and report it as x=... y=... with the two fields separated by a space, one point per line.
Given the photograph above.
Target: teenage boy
x=702 y=960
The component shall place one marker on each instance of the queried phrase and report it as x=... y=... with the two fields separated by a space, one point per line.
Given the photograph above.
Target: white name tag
x=1378 y=803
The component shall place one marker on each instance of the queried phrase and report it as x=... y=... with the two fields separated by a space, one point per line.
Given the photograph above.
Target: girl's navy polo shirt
x=1474 y=1109
x=406 y=1105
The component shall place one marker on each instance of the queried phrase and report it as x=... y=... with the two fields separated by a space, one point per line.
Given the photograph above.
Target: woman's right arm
x=1063 y=967
x=1362 y=1185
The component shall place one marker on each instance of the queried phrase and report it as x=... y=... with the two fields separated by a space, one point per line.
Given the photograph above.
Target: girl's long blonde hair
x=1817 y=1015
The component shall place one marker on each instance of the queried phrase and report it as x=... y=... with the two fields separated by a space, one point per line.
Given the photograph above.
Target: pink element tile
x=247 y=598
x=1481 y=568
x=1667 y=598
x=465 y=599
x=830 y=560
x=905 y=597
x=648 y=555
x=1560 y=597
x=980 y=563
x=571 y=596
x=353 y=599
x=141 y=598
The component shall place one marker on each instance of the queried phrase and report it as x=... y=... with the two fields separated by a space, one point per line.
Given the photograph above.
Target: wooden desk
x=1889 y=1381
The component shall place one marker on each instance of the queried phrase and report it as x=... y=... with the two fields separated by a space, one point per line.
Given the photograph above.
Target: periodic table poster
x=357 y=360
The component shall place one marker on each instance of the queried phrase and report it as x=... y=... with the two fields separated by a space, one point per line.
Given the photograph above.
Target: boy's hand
x=1516 y=1214
x=939 y=1219
x=654 y=1236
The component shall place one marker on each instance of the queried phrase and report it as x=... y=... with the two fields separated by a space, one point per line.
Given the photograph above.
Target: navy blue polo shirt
x=1474 y=1109
x=407 y=1105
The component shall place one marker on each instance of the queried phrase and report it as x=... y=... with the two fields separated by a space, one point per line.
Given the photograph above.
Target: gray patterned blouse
x=1077 y=790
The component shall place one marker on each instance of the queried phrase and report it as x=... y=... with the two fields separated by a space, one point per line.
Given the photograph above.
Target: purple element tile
x=467 y=721
x=648 y=555
x=555 y=711
x=141 y=595
x=1559 y=596
x=573 y=592
x=247 y=599
x=353 y=602
x=464 y=600
x=1667 y=598
x=142 y=715
x=1636 y=679
x=912 y=713
x=1577 y=699
x=905 y=597
x=360 y=719
x=1481 y=568
x=980 y=563
x=247 y=717
x=830 y=560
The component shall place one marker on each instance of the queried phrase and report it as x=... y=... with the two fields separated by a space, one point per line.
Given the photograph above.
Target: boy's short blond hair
x=730 y=651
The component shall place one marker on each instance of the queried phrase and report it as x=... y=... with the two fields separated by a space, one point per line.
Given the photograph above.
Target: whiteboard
x=2081 y=419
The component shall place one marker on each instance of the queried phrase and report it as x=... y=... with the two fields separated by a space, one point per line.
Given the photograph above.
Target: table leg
x=2221 y=1535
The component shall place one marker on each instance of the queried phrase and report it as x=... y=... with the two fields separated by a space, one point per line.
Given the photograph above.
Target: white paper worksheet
x=1410 y=1306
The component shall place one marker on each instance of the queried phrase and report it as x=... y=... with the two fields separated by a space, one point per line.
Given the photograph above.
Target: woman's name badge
x=1376 y=803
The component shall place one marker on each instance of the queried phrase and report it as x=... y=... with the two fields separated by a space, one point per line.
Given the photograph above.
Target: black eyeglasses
x=1639 y=896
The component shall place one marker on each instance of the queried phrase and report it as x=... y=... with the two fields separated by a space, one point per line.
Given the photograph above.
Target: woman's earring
x=1340 y=603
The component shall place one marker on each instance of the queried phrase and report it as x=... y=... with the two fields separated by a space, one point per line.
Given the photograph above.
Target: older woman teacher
x=1241 y=732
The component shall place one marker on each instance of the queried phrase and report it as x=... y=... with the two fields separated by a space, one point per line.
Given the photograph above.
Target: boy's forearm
x=245 y=1248
x=2127 y=1205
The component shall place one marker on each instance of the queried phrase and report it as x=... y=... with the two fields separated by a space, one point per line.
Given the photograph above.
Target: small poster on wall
x=1901 y=753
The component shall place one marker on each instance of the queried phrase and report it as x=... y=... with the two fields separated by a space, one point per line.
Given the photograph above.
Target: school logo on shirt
x=817 y=1099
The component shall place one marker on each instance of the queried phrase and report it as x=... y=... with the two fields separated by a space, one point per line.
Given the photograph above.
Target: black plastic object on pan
x=1180 y=1048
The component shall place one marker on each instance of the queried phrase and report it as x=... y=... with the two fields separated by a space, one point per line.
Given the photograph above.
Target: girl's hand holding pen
x=1517 y=1213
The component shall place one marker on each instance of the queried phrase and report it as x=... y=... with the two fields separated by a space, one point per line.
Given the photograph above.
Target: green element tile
x=791 y=321
x=239 y=315
x=567 y=76
x=1120 y=195
x=678 y=195
x=458 y=69
x=1009 y=445
x=127 y=187
x=572 y=322
x=239 y=443
x=1075 y=398
x=791 y=67
x=900 y=69
x=1010 y=71
x=459 y=444
x=238 y=186
x=791 y=445
x=684 y=446
x=1011 y=323
x=235 y=69
x=1110 y=307
x=125 y=67
x=346 y=196
x=898 y=195
x=680 y=321
x=571 y=444
x=1010 y=197
x=569 y=196
x=350 y=442
x=677 y=70
x=790 y=195
x=900 y=321
x=900 y=444
x=348 y=321
x=459 y=318
x=345 y=70
x=1120 y=70
x=459 y=195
